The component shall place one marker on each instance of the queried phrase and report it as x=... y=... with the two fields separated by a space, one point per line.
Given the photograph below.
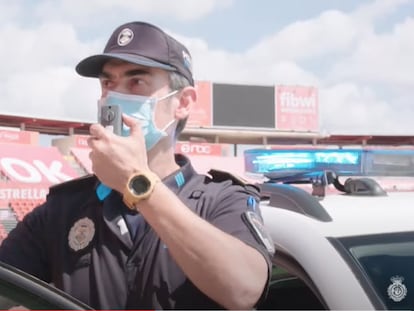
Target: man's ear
x=188 y=97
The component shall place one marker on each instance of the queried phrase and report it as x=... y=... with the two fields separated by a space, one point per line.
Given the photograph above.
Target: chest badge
x=81 y=234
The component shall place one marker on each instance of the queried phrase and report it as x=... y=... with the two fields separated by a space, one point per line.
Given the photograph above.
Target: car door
x=291 y=288
x=18 y=290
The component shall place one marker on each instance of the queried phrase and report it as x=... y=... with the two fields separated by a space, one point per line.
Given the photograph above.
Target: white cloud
x=385 y=58
x=39 y=71
x=80 y=10
x=37 y=93
x=330 y=32
x=244 y=68
x=38 y=67
x=54 y=93
x=370 y=12
x=49 y=44
x=9 y=11
x=349 y=108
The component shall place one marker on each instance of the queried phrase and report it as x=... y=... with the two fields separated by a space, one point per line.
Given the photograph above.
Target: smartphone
x=110 y=117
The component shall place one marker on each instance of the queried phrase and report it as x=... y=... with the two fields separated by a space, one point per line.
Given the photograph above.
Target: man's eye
x=106 y=83
x=136 y=81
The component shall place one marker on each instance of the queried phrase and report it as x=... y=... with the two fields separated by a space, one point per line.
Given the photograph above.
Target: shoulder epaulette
x=219 y=176
x=76 y=184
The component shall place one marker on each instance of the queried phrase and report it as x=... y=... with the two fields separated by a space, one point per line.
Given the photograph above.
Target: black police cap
x=143 y=44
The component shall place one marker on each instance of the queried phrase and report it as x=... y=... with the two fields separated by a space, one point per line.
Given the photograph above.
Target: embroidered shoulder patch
x=258 y=229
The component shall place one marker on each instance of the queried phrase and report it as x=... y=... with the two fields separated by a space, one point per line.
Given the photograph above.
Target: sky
x=358 y=53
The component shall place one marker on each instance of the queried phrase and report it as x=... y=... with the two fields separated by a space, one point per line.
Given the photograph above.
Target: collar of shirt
x=115 y=209
x=174 y=181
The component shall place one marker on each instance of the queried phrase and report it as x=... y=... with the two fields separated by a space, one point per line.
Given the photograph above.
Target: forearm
x=223 y=267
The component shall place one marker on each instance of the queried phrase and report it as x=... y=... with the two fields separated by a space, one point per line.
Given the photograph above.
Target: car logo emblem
x=397 y=290
x=81 y=234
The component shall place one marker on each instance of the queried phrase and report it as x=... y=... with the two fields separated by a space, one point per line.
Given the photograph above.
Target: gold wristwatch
x=139 y=187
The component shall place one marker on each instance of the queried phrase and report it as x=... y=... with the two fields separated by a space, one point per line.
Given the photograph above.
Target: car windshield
x=386 y=265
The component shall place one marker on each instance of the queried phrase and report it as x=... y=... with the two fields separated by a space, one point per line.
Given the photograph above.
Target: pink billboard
x=23 y=191
x=19 y=137
x=82 y=156
x=297 y=108
x=206 y=149
x=81 y=141
x=201 y=111
x=28 y=164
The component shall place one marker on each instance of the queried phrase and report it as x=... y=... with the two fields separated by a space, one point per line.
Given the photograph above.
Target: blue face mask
x=141 y=108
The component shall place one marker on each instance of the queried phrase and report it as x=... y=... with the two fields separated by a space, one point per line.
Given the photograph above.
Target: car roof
x=350 y=215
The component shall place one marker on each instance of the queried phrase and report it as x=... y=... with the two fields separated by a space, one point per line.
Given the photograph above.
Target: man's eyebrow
x=136 y=72
x=104 y=75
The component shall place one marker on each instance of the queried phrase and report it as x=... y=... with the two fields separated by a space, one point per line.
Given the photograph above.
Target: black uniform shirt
x=88 y=243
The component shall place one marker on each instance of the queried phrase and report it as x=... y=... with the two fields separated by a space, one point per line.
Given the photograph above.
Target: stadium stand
x=28 y=169
x=23 y=206
x=79 y=158
x=7 y=220
x=3 y=233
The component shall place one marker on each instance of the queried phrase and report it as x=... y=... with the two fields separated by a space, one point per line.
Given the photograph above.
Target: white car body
x=308 y=243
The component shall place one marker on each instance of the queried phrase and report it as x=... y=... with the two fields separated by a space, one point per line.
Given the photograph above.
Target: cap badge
x=125 y=36
x=81 y=234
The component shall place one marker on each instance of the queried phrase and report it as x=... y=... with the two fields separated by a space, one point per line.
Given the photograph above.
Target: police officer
x=145 y=230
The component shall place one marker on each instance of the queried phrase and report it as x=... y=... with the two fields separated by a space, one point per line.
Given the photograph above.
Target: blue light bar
x=351 y=162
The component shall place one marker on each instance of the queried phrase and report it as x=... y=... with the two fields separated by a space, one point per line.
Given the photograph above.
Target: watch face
x=140 y=184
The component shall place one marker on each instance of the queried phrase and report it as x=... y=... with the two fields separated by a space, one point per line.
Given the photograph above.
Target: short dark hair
x=178 y=82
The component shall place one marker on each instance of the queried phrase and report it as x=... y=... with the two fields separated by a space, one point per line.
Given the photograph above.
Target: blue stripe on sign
x=179 y=179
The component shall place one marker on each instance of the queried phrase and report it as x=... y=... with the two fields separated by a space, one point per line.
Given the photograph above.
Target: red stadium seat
x=3 y=233
x=21 y=207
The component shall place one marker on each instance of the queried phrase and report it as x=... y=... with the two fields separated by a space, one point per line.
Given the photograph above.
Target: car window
x=15 y=298
x=288 y=289
x=387 y=262
x=18 y=290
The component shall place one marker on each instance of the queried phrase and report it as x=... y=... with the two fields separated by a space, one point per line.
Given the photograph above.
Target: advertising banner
x=192 y=148
x=19 y=137
x=82 y=156
x=18 y=191
x=297 y=108
x=81 y=141
x=34 y=164
x=201 y=111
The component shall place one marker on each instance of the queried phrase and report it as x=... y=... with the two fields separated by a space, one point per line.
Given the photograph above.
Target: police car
x=344 y=237
x=21 y=291
x=343 y=240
